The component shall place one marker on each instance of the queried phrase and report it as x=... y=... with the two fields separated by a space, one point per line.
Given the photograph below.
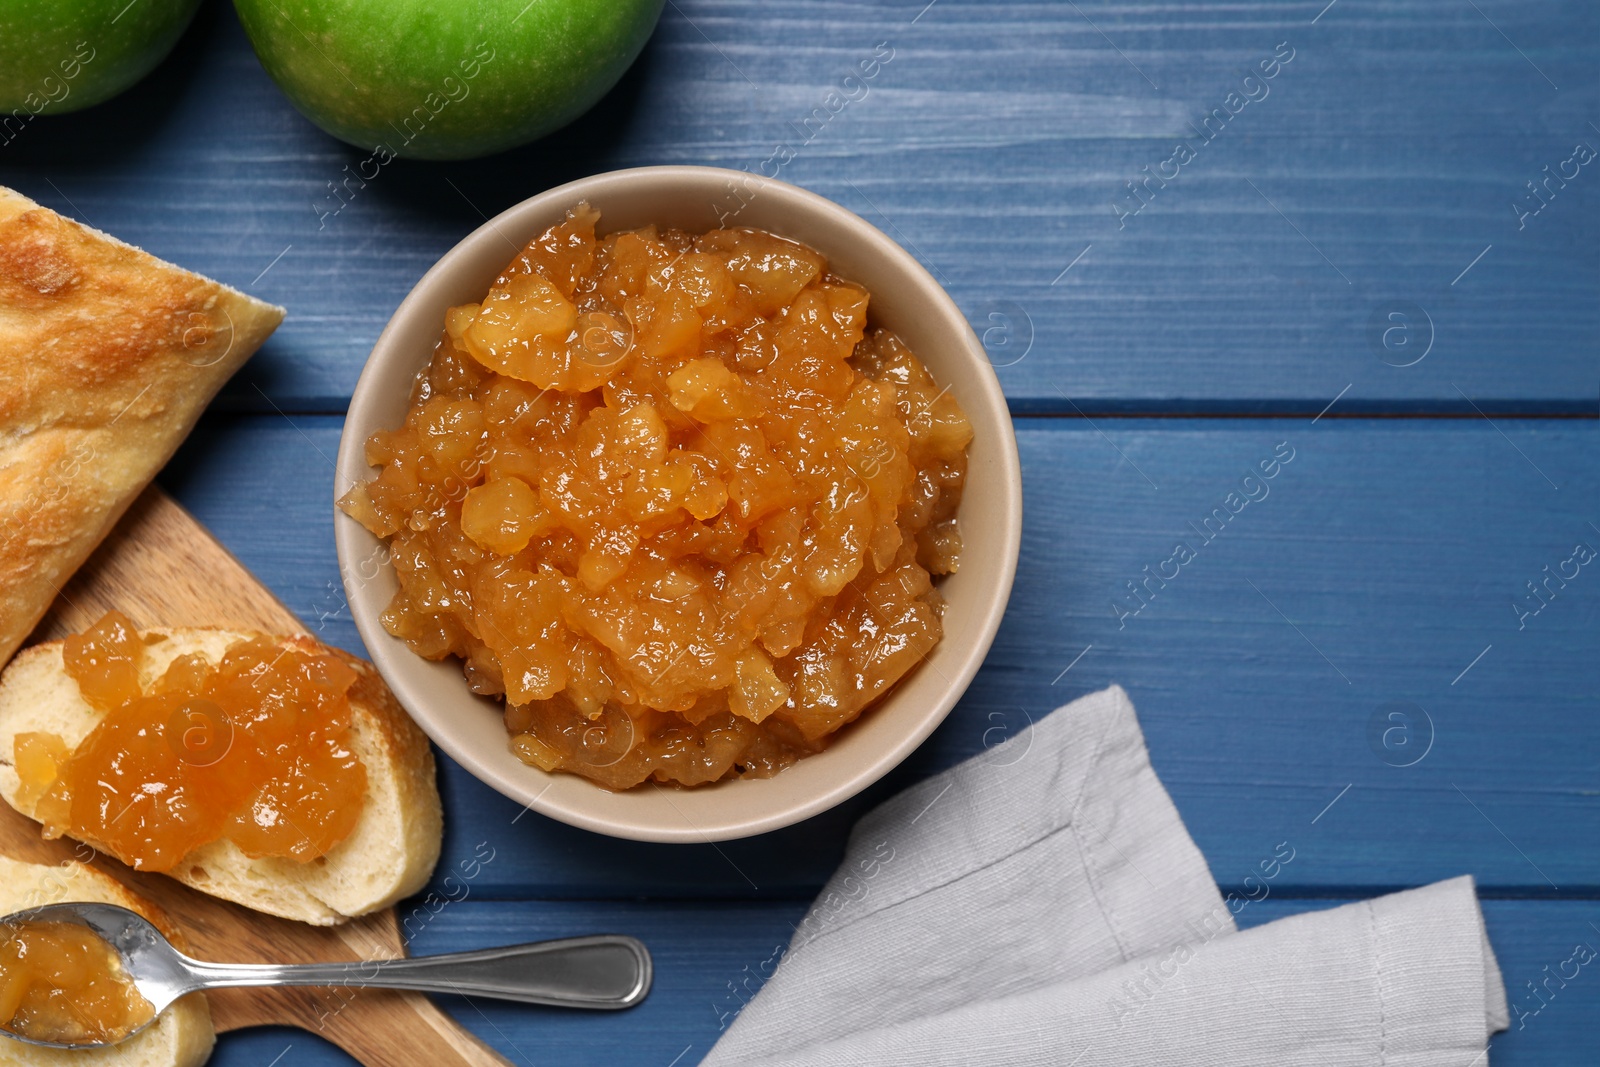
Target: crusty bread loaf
x=107 y=357
x=389 y=855
x=180 y=1037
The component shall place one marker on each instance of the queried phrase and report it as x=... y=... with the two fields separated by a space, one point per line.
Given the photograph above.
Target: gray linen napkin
x=1043 y=904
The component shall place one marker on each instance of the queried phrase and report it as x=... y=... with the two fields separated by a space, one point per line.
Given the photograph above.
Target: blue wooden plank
x=1378 y=567
x=1343 y=666
x=1375 y=174
x=712 y=958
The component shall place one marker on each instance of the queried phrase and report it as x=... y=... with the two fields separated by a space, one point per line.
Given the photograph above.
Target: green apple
x=445 y=80
x=62 y=55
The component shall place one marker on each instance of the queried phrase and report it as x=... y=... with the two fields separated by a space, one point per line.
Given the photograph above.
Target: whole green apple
x=445 y=80
x=63 y=55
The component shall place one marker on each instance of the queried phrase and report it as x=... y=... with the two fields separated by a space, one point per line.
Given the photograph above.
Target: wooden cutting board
x=160 y=567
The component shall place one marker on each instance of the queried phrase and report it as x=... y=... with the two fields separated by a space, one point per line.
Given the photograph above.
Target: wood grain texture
x=1378 y=175
x=1383 y=159
x=714 y=956
x=161 y=568
x=1393 y=547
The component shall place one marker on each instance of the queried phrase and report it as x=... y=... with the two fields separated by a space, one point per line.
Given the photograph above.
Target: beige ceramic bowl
x=905 y=299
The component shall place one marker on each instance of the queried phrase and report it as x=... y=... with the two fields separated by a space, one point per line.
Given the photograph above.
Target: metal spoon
x=604 y=972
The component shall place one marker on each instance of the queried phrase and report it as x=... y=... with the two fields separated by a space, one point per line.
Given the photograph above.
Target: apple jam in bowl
x=680 y=495
x=668 y=497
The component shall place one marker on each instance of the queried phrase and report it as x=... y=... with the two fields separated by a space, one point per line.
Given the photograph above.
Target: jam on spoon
x=61 y=982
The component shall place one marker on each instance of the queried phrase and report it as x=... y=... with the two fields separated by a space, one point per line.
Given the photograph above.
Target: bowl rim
x=522 y=783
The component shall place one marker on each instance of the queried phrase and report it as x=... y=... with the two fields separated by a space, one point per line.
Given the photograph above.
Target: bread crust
x=389 y=855
x=107 y=357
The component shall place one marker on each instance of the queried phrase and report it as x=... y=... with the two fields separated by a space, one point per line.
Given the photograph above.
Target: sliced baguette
x=180 y=1037
x=107 y=357
x=390 y=854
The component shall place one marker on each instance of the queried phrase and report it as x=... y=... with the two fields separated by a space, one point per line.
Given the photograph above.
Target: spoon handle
x=604 y=972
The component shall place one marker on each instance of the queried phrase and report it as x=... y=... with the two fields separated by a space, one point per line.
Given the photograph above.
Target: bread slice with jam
x=388 y=855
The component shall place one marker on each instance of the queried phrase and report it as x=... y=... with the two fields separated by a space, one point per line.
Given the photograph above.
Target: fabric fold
x=1052 y=856
x=1042 y=903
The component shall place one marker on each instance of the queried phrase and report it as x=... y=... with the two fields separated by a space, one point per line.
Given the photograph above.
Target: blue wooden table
x=1382 y=257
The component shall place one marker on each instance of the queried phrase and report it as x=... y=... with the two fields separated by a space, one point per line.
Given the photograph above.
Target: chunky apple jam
x=62 y=982
x=670 y=497
x=254 y=748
